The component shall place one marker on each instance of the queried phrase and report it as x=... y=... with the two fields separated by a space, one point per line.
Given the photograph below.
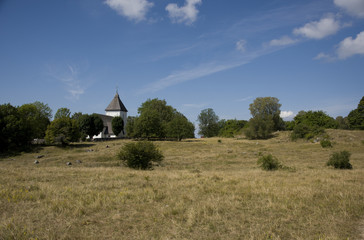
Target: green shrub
x=269 y=162
x=340 y=160
x=140 y=155
x=325 y=143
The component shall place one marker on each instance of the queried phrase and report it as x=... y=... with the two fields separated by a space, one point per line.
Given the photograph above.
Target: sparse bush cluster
x=326 y=143
x=269 y=162
x=140 y=155
x=340 y=160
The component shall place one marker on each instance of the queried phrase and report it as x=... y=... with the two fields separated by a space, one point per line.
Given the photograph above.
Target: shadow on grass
x=19 y=151
x=76 y=146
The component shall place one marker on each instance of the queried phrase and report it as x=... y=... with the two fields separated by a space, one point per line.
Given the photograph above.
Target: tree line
x=20 y=125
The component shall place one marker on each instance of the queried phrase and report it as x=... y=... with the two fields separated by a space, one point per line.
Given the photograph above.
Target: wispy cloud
x=283 y=41
x=131 y=9
x=244 y=99
x=241 y=45
x=188 y=75
x=186 y=14
x=194 y=105
x=70 y=79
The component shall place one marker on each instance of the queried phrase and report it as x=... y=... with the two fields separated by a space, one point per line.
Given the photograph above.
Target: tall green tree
x=231 y=127
x=37 y=115
x=117 y=124
x=16 y=131
x=179 y=127
x=208 y=123
x=356 y=116
x=130 y=126
x=62 y=113
x=62 y=131
x=149 y=125
x=265 y=119
x=91 y=124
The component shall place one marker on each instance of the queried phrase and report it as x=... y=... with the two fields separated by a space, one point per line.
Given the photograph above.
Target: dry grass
x=203 y=190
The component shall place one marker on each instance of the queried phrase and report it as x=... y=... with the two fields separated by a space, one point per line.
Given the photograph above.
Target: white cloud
x=194 y=105
x=349 y=46
x=70 y=79
x=244 y=99
x=131 y=9
x=319 y=29
x=186 y=14
x=188 y=75
x=324 y=56
x=283 y=41
x=353 y=7
x=287 y=114
x=241 y=45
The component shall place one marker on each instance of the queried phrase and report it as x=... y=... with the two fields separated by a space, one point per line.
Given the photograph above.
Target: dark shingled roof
x=116 y=104
x=107 y=123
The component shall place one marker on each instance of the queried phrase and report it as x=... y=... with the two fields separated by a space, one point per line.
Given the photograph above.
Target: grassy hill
x=204 y=189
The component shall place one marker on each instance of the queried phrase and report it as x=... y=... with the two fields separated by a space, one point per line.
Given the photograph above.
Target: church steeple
x=116 y=104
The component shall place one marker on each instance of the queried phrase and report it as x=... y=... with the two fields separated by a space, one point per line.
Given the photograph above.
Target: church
x=116 y=108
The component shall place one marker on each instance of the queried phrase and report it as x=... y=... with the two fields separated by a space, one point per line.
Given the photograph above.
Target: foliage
x=15 y=129
x=62 y=113
x=179 y=127
x=208 y=123
x=140 y=155
x=340 y=160
x=342 y=123
x=130 y=126
x=356 y=117
x=269 y=162
x=159 y=120
x=325 y=143
x=62 y=131
x=306 y=131
x=90 y=125
x=265 y=119
x=117 y=125
x=259 y=128
x=310 y=124
x=267 y=108
x=231 y=127
x=149 y=125
x=36 y=117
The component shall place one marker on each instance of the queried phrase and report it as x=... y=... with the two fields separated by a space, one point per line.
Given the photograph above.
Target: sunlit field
x=204 y=189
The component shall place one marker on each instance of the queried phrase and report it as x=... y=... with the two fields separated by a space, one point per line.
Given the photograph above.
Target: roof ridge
x=116 y=104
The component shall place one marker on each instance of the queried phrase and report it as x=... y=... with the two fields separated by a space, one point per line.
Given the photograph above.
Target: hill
x=204 y=189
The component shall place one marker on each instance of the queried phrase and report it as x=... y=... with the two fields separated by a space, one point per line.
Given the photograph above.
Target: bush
x=269 y=162
x=140 y=155
x=340 y=160
x=325 y=143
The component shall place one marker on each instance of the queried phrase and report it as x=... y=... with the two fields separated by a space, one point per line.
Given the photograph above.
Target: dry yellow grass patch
x=203 y=190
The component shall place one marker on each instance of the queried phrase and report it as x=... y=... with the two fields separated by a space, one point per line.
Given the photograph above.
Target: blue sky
x=195 y=54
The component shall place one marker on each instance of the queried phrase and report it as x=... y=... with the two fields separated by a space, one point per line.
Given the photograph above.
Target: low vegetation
x=203 y=189
x=340 y=160
x=140 y=155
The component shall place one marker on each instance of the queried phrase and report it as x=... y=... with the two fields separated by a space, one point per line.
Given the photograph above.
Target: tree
x=260 y=128
x=356 y=116
x=130 y=126
x=62 y=112
x=62 y=131
x=265 y=119
x=267 y=108
x=91 y=124
x=36 y=117
x=148 y=125
x=15 y=130
x=342 y=123
x=231 y=127
x=165 y=112
x=117 y=125
x=179 y=127
x=208 y=123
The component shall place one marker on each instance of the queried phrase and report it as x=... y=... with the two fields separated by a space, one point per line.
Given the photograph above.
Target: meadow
x=204 y=189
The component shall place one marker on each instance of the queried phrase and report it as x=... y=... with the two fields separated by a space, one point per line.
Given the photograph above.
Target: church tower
x=116 y=108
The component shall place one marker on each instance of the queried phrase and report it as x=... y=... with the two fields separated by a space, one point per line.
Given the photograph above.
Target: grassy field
x=204 y=189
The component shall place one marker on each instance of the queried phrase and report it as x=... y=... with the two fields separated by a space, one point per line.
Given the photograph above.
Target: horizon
x=195 y=54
